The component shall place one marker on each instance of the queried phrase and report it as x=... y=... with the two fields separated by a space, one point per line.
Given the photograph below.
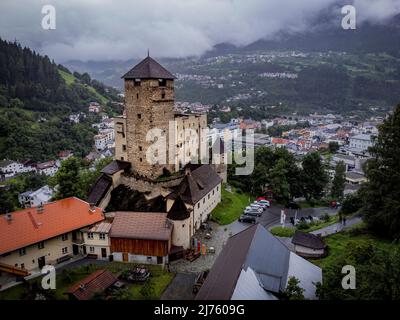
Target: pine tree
x=339 y=181
x=381 y=193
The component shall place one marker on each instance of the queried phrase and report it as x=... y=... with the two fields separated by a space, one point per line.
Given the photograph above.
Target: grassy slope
x=231 y=206
x=337 y=242
x=70 y=79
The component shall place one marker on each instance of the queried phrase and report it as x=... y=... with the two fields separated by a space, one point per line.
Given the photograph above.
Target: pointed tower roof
x=178 y=211
x=148 y=68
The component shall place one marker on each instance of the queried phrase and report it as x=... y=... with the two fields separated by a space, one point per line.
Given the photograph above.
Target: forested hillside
x=36 y=98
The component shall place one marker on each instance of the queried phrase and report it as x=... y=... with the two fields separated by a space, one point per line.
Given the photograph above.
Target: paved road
x=337 y=227
x=180 y=288
x=271 y=216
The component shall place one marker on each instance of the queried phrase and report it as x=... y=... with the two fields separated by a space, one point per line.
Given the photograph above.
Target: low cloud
x=124 y=29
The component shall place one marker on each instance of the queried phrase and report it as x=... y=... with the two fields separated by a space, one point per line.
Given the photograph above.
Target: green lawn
x=321 y=224
x=231 y=206
x=283 y=231
x=337 y=242
x=159 y=280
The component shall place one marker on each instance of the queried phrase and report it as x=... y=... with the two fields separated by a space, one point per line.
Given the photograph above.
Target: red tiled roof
x=279 y=141
x=98 y=281
x=30 y=226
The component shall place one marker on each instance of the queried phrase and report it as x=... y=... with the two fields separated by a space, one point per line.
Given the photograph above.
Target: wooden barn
x=141 y=237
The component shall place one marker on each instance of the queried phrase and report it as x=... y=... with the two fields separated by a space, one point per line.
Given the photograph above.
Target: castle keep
x=149 y=126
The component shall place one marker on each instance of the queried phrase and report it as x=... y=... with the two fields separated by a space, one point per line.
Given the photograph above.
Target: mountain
x=36 y=98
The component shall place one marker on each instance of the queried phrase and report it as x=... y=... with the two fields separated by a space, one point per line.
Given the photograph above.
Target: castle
x=155 y=149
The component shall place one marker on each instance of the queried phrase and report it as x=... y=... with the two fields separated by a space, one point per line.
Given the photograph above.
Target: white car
x=250 y=208
x=256 y=206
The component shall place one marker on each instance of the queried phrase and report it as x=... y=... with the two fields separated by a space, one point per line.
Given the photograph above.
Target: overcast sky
x=124 y=29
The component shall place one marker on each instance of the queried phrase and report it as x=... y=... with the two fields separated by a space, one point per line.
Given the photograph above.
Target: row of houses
x=11 y=168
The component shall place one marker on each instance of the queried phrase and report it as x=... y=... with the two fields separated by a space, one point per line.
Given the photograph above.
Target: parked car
x=262 y=205
x=247 y=219
x=292 y=205
x=249 y=208
x=253 y=205
x=265 y=202
x=252 y=213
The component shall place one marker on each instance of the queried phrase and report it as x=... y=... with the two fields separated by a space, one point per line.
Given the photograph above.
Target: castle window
x=123 y=147
x=122 y=158
x=163 y=94
x=139 y=116
x=140 y=148
x=140 y=159
x=162 y=82
x=137 y=83
x=137 y=96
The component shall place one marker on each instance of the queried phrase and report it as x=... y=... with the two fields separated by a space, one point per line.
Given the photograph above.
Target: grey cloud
x=123 y=29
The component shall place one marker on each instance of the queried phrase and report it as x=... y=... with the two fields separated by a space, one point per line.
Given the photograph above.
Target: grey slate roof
x=99 y=189
x=256 y=248
x=178 y=210
x=148 y=69
x=196 y=184
x=308 y=240
x=115 y=166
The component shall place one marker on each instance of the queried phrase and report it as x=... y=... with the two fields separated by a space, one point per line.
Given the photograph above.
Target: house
x=48 y=168
x=143 y=237
x=361 y=142
x=31 y=199
x=10 y=168
x=308 y=245
x=94 y=107
x=255 y=265
x=48 y=234
x=200 y=193
x=353 y=177
x=97 y=282
x=93 y=156
x=97 y=240
x=65 y=154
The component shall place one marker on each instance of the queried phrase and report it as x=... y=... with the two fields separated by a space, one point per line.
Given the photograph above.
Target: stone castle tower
x=149 y=103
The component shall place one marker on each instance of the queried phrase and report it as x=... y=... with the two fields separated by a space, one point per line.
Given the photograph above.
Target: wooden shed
x=142 y=237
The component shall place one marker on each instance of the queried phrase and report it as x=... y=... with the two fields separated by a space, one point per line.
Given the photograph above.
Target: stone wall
x=148 y=106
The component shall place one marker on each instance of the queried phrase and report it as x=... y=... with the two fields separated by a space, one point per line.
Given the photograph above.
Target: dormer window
x=162 y=82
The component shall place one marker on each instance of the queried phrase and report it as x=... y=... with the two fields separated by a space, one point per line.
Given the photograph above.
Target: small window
x=41 y=245
x=213 y=192
x=204 y=200
x=137 y=96
x=140 y=148
x=90 y=235
x=64 y=237
x=102 y=236
x=22 y=265
x=140 y=159
x=139 y=116
x=208 y=196
x=22 y=251
x=91 y=249
x=162 y=82
x=217 y=188
x=137 y=83
x=122 y=158
x=198 y=205
x=149 y=259
x=123 y=147
x=163 y=94
x=65 y=250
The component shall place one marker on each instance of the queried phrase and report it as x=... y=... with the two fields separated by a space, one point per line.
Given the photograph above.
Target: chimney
x=188 y=171
x=40 y=208
x=9 y=216
x=92 y=207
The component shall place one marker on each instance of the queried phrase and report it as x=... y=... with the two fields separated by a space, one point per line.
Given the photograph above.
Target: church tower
x=149 y=103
